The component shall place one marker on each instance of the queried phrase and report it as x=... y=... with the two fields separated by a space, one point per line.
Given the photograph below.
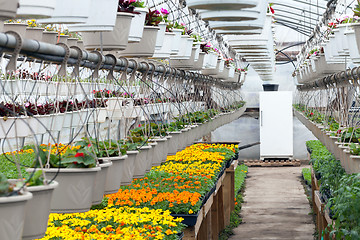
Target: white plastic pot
x=141 y=162
x=102 y=17
x=12 y=215
x=100 y=181
x=136 y=31
x=221 y=4
x=112 y=40
x=76 y=186
x=30 y=9
x=114 y=174
x=144 y=48
x=8 y=9
x=160 y=36
x=186 y=44
x=77 y=13
x=176 y=41
x=38 y=206
x=166 y=49
x=20 y=28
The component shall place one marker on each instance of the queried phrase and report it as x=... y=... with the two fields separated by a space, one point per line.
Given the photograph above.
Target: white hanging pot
x=38 y=206
x=184 y=64
x=112 y=40
x=20 y=28
x=102 y=17
x=177 y=41
x=141 y=162
x=29 y=9
x=12 y=215
x=210 y=60
x=34 y=33
x=114 y=174
x=152 y=154
x=166 y=48
x=219 y=68
x=144 y=48
x=230 y=15
x=8 y=9
x=100 y=181
x=49 y=37
x=159 y=150
x=160 y=36
x=186 y=44
x=129 y=167
x=198 y=65
x=221 y=4
x=75 y=190
x=136 y=32
x=63 y=13
x=13 y=127
x=235 y=78
x=353 y=38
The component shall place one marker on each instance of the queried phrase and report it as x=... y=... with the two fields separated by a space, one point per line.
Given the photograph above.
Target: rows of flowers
x=181 y=183
x=144 y=209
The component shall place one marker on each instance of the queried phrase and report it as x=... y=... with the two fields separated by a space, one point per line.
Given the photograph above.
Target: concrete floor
x=275 y=206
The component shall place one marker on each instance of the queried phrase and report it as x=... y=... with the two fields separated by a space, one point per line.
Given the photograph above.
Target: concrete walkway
x=275 y=206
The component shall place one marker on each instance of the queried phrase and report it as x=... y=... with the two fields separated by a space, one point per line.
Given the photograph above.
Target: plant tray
x=189 y=219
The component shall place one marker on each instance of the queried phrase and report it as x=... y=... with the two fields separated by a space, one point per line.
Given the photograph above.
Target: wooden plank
x=316 y=183
x=214 y=218
x=221 y=220
x=318 y=202
x=227 y=198
x=208 y=204
x=272 y=163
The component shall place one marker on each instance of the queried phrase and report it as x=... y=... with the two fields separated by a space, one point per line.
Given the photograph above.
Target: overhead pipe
x=57 y=53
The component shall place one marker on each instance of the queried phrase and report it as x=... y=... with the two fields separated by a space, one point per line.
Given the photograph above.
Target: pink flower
x=164 y=11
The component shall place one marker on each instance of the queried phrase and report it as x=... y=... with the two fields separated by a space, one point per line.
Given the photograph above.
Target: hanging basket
x=20 y=28
x=219 y=68
x=144 y=48
x=77 y=13
x=210 y=61
x=160 y=152
x=76 y=186
x=166 y=48
x=14 y=127
x=34 y=33
x=129 y=167
x=100 y=181
x=141 y=162
x=152 y=154
x=114 y=175
x=8 y=9
x=221 y=4
x=177 y=41
x=186 y=63
x=30 y=9
x=186 y=44
x=160 y=36
x=102 y=17
x=12 y=215
x=112 y=40
x=136 y=32
x=38 y=206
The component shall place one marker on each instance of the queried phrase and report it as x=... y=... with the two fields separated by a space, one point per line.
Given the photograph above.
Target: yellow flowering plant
x=115 y=223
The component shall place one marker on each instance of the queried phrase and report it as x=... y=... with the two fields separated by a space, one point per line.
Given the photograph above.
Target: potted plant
x=146 y=47
x=75 y=169
x=34 y=31
x=16 y=26
x=109 y=151
x=39 y=206
x=140 y=10
x=49 y=35
x=115 y=38
x=12 y=209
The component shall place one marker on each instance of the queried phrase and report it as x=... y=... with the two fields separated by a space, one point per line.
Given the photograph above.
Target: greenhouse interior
x=180 y=119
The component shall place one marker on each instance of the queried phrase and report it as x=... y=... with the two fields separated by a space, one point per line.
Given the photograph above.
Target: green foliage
x=8 y=167
x=306 y=172
x=240 y=175
x=354 y=149
x=350 y=135
x=5 y=187
x=102 y=149
x=357 y=9
x=80 y=158
x=37 y=179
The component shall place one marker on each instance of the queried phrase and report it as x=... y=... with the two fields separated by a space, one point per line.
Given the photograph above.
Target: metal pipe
x=55 y=53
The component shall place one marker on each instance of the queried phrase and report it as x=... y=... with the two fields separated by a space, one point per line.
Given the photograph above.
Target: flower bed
x=180 y=184
x=115 y=223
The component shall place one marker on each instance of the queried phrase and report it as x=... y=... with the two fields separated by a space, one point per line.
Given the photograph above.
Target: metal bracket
x=110 y=75
x=63 y=65
x=76 y=71
x=95 y=74
x=11 y=66
x=123 y=76
x=133 y=72
x=162 y=77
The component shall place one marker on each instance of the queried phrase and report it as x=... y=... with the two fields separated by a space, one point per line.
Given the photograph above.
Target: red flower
x=75 y=162
x=89 y=145
x=79 y=155
x=272 y=10
x=311 y=114
x=139 y=125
